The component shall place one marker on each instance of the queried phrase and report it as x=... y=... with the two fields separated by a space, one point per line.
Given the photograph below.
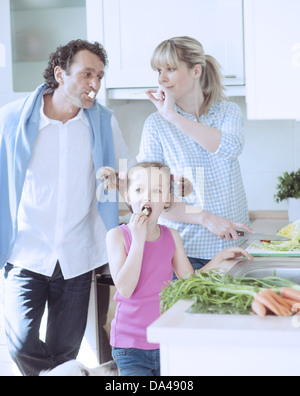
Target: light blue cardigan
x=19 y=128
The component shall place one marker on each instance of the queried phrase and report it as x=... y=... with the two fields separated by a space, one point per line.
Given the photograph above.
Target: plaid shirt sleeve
x=150 y=147
x=232 y=133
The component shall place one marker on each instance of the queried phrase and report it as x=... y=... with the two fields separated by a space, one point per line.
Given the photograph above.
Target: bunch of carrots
x=286 y=303
x=216 y=292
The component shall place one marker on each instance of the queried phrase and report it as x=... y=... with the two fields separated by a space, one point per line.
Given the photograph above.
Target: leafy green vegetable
x=216 y=292
x=291 y=230
x=279 y=246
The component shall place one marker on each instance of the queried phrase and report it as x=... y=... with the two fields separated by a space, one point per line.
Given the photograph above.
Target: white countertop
x=228 y=338
x=236 y=329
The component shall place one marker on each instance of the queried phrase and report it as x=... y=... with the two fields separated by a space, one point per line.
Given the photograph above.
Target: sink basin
x=260 y=269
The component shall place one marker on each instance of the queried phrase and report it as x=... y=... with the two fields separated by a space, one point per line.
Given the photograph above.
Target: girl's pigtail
x=182 y=186
x=110 y=176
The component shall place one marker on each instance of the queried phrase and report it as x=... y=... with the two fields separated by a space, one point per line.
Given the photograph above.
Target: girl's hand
x=233 y=253
x=164 y=102
x=138 y=228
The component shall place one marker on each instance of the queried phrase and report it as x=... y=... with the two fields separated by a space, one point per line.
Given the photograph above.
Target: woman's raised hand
x=164 y=101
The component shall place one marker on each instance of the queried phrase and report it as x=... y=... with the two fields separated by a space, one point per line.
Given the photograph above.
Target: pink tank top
x=133 y=315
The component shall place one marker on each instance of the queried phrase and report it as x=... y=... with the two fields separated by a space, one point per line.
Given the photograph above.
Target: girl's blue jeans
x=25 y=297
x=196 y=264
x=137 y=362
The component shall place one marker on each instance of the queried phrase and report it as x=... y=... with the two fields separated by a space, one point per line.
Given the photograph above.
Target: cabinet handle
x=230 y=76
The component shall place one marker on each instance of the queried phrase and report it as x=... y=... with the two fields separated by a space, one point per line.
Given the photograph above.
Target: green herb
x=216 y=292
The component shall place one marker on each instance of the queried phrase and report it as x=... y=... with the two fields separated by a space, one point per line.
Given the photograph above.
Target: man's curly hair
x=64 y=57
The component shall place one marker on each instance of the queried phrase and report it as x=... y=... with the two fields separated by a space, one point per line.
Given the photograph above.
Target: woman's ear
x=197 y=71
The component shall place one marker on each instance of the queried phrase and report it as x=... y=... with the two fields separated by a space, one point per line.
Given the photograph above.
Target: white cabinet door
x=31 y=29
x=133 y=29
x=272 y=53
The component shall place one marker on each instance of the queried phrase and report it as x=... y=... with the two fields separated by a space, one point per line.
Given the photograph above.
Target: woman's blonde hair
x=186 y=49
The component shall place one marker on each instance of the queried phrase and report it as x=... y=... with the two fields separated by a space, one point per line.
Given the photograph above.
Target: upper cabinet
x=133 y=29
x=272 y=54
x=32 y=29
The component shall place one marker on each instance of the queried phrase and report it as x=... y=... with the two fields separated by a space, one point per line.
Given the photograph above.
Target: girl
x=197 y=131
x=142 y=257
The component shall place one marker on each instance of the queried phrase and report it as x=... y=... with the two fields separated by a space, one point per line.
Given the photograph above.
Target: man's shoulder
x=12 y=108
x=103 y=109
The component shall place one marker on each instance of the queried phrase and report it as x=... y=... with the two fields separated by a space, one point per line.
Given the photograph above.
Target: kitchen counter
x=207 y=344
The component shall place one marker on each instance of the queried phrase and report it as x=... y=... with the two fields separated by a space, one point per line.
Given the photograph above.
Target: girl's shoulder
x=175 y=234
x=116 y=234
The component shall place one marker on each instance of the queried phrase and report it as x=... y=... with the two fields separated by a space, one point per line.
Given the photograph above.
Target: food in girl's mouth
x=147 y=211
x=92 y=95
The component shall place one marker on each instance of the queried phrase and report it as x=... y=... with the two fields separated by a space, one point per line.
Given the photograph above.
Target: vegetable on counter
x=291 y=231
x=279 y=246
x=216 y=292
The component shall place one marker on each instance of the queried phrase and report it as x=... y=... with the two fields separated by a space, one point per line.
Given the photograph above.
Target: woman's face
x=181 y=80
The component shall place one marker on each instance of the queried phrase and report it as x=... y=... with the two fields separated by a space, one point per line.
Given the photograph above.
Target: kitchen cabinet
x=133 y=29
x=272 y=59
x=30 y=30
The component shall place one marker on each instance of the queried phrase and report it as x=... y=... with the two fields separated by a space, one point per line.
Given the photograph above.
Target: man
x=52 y=228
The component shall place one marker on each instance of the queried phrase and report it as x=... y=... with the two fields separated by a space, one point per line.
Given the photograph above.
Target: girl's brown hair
x=179 y=186
x=189 y=50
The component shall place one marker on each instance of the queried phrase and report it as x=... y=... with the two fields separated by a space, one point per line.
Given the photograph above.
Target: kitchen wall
x=272 y=147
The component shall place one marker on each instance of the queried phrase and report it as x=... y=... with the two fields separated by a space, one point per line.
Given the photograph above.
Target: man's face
x=84 y=79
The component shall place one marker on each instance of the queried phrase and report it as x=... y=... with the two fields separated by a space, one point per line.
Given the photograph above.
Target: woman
x=199 y=135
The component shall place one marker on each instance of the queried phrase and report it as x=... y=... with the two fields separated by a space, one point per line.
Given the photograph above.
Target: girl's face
x=181 y=80
x=149 y=188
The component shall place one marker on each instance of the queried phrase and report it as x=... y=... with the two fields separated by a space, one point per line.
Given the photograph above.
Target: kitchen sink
x=260 y=269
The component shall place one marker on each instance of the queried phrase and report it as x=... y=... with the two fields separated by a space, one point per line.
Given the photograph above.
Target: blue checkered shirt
x=216 y=177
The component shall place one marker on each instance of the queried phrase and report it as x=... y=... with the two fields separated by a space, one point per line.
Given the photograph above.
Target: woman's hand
x=164 y=102
x=138 y=228
x=223 y=227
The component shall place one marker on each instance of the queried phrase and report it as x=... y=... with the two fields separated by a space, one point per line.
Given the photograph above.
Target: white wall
x=272 y=147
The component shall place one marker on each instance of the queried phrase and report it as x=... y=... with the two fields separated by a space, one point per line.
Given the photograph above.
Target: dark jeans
x=25 y=296
x=196 y=264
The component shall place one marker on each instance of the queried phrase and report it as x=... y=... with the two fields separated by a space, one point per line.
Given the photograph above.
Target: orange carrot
x=291 y=302
x=267 y=302
x=276 y=302
x=280 y=300
x=290 y=293
x=258 y=308
x=295 y=306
